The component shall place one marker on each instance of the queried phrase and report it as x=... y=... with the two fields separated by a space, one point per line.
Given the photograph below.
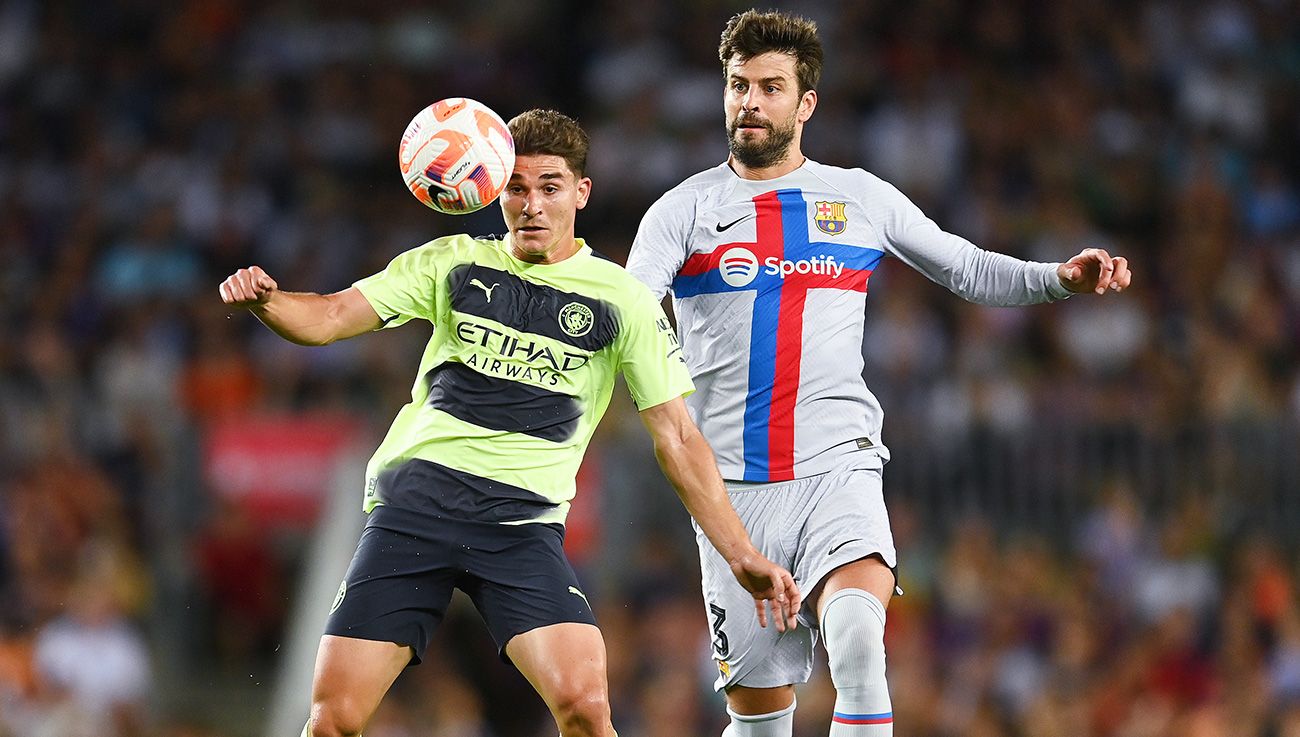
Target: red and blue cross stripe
x=776 y=332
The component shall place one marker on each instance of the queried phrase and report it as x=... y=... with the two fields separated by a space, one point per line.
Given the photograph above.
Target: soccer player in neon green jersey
x=471 y=485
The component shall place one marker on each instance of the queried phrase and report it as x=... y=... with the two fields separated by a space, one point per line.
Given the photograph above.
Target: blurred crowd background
x=1096 y=502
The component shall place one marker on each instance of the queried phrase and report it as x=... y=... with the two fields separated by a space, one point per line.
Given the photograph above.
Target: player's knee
x=853 y=625
x=335 y=718
x=743 y=700
x=583 y=712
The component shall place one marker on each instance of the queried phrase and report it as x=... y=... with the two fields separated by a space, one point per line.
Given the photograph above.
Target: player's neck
x=793 y=160
x=555 y=255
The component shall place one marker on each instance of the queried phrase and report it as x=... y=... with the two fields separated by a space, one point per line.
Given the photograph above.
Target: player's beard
x=770 y=151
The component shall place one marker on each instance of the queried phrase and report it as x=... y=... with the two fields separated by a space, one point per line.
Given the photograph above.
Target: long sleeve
x=970 y=272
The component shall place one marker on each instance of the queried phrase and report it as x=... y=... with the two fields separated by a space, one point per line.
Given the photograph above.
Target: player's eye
x=773 y=89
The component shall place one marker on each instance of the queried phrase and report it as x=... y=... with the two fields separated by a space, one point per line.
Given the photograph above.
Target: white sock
x=777 y=724
x=853 y=625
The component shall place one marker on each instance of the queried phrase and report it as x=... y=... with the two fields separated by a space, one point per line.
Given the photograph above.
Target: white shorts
x=811 y=526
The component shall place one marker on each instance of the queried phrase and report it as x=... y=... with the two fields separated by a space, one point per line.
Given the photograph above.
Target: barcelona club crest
x=830 y=218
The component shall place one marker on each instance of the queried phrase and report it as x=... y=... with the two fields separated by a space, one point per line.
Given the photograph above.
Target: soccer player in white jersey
x=768 y=256
x=471 y=485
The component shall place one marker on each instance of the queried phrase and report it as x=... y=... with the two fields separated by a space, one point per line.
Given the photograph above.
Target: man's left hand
x=1094 y=270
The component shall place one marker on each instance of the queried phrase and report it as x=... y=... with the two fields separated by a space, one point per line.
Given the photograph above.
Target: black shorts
x=408 y=562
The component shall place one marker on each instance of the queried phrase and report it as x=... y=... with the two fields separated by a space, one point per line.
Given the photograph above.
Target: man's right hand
x=771 y=584
x=248 y=288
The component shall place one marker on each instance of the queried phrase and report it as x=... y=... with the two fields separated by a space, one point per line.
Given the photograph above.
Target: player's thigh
x=753 y=656
x=748 y=654
x=520 y=581
x=846 y=535
x=755 y=701
x=868 y=574
x=527 y=592
x=352 y=676
x=564 y=663
x=399 y=583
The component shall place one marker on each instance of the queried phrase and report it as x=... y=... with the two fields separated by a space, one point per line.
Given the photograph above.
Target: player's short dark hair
x=752 y=33
x=551 y=133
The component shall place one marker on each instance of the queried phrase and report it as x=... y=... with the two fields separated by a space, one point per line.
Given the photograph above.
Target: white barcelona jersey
x=769 y=282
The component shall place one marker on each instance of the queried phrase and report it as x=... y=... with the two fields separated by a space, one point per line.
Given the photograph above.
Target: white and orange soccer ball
x=456 y=155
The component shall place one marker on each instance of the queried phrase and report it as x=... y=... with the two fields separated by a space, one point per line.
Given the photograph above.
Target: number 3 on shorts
x=720 y=645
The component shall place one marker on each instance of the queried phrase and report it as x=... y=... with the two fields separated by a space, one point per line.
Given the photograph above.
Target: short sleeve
x=650 y=357
x=407 y=287
x=661 y=241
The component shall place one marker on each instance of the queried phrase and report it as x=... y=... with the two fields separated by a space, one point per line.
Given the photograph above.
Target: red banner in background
x=582 y=527
x=279 y=468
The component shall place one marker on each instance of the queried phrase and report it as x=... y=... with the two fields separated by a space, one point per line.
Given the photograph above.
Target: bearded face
x=765 y=107
x=759 y=143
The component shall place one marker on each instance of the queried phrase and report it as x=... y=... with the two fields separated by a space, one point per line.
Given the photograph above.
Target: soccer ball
x=456 y=155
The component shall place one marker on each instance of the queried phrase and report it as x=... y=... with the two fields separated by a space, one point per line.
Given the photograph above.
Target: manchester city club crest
x=576 y=319
x=830 y=218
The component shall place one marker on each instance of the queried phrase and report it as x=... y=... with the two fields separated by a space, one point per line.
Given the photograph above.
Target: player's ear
x=584 y=191
x=807 y=104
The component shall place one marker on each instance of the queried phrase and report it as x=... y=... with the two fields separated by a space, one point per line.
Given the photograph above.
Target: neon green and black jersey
x=518 y=373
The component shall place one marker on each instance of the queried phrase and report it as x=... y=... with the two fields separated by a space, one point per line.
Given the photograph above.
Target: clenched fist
x=248 y=288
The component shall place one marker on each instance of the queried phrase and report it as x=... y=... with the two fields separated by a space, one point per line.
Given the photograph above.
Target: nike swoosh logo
x=720 y=227
x=846 y=542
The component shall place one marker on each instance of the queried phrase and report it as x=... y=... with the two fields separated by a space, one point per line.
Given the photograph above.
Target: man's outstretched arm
x=304 y=318
x=687 y=461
